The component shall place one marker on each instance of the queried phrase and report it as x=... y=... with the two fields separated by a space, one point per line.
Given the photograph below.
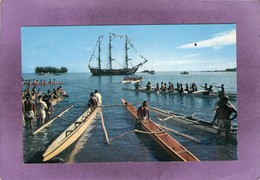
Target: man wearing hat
x=223 y=111
x=143 y=112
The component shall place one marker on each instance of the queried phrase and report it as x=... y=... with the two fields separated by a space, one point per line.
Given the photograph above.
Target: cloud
x=192 y=55
x=217 y=41
x=31 y=67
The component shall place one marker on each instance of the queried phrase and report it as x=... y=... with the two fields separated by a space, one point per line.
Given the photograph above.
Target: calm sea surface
x=135 y=147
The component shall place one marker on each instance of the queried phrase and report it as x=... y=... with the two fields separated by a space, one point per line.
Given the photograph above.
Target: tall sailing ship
x=125 y=70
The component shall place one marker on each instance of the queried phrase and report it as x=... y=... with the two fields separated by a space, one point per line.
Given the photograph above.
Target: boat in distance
x=161 y=137
x=185 y=72
x=193 y=122
x=125 y=70
x=185 y=93
x=70 y=135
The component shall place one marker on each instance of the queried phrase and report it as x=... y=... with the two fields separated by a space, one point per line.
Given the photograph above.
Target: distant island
x=227 y=70
x=48 y=69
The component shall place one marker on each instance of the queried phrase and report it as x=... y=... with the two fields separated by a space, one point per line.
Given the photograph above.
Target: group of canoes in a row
x=41 y=82
x=180 y=88
x=141 y=115
x=41 y=107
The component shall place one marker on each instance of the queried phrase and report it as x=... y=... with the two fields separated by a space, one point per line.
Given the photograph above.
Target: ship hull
x=99 y=72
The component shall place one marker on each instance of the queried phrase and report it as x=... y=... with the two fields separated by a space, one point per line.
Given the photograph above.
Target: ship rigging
x=126 y=70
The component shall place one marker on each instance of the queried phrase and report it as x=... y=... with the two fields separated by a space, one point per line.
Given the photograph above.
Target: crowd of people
x=41 y=108
x=164 y=87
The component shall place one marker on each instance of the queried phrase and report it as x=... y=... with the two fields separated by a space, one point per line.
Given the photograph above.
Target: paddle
x=178 y=133
x=48 y=123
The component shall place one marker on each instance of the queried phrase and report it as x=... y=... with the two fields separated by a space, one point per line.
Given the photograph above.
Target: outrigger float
x=193 y=122
x=161 y=137
x=185 y=93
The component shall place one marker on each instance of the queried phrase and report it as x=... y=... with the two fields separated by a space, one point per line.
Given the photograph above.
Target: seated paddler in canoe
x=143 y=112
x=92 y=102
x=137 y=85
x=224 y=109
x=148 y=86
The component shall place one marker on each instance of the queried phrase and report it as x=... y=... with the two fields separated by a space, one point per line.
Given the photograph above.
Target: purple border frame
x=17 y=13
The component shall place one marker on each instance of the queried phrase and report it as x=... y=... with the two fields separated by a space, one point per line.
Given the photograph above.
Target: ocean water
x=135 y=147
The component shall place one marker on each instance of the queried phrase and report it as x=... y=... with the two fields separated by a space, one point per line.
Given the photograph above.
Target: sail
x=107 y=65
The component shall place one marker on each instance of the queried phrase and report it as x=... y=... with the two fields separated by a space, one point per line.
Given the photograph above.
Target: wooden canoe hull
x=169 y=144
x=185 y=93
x=70 y=135
x=196 y=123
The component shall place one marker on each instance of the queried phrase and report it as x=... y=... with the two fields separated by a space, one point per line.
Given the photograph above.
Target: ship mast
x=126 y=55
x=110 y=56
x=99 y=61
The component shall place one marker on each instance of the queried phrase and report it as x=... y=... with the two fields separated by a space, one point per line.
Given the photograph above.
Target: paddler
x=40 y=108
x=157 y=88
x=92 y=103
x=223 y=112
x=205 y=87
x=209 y=91
x=143 y=112
x=187 y=87
x=99 y=98
x=170 y=87
x=137 y=85
x=181 y=89
x=148 y=86
x=165 y=87
x=29 y=112
x=178 y=87
x=162 y=86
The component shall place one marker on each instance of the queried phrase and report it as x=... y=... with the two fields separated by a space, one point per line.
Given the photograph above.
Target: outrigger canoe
x=131 y=81
x=161 y=137
x=193 y=122
x=42 y=84
x=70 y=135
x=185 y=93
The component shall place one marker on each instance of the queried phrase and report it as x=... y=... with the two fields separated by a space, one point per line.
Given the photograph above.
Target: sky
x=199 y=47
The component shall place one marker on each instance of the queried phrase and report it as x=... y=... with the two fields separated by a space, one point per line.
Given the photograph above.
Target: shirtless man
x=92 y=103
x=157 y=88
x=143 y=112
x=40 y=108
x=148 y=86
x=137 y=85
x=29 y=112
x=224 y=110
x=49 y=110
